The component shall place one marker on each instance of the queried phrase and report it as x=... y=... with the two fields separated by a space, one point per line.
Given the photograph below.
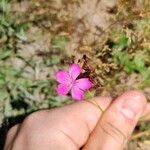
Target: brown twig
x=141 y=134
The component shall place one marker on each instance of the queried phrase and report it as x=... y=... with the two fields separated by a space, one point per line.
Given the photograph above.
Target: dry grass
x=40 y=37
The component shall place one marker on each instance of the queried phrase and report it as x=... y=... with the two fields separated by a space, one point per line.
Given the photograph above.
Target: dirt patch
x=89 y=19
x=61 y=31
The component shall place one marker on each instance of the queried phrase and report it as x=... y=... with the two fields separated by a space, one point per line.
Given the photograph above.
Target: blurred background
x=38 y=37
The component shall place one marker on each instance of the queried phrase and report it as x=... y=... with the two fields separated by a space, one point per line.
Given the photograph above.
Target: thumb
x=117 y=123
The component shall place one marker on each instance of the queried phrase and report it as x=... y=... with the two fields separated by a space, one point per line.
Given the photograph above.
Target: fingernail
x=132 y=107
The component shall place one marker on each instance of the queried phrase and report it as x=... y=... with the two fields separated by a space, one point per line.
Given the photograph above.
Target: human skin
x=80 y=125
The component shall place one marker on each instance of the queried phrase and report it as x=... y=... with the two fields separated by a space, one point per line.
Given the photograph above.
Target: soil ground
x=47 y=35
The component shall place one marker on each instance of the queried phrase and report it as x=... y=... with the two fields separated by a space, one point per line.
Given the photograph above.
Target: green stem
x=95 y=102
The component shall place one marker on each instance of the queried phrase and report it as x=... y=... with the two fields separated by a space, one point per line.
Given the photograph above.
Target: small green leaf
x=5 y=54
x=122 y=42
x=59 y=42
x=129 y=67
x=139 y=63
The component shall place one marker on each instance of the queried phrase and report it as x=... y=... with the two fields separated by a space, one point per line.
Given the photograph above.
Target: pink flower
x=68 y=81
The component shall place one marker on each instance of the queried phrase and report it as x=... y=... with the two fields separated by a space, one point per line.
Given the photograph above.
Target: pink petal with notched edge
x=83 y=84
x=63 y=89
x=63 y=77
x=77 y=93
x=74 y=71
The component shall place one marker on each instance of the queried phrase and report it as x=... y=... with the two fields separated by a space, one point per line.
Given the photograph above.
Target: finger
x=78 y=120
x=11 y=135
x=118 y=122
x=68 y=127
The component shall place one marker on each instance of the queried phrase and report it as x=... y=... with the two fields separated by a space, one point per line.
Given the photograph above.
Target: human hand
x=80 y=125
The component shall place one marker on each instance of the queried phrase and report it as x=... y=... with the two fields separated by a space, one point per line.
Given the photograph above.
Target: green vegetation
x=31 y=53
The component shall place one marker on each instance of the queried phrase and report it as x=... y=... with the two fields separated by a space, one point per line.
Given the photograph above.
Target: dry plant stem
x=96 y=102
x=139 y=135
x=145 y=117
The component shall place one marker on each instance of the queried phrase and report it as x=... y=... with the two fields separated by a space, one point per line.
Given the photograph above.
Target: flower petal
x=74 y=71
x=77 y=93
x=84 y=83
x=63 y=89
x=63 y=77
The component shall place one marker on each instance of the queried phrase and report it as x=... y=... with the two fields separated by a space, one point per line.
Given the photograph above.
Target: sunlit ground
x=37 y=38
